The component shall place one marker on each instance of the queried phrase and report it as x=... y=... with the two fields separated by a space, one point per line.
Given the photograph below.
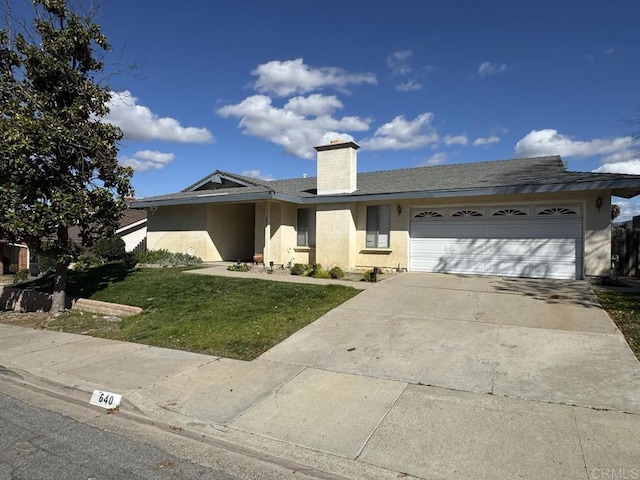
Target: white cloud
x=140 y=123
x=621 y=157
x=256 y=173
x=629 y=166
x=400 y=134
x=316 y=104
x=628 y=208
x=290 y=77
x=297 y=133
x=436 y=159
x=398 y=64
x=478 y=142
x=455 y=140
x=144 y=160
x=550 y=142
x=409 y=86
x=488 y=68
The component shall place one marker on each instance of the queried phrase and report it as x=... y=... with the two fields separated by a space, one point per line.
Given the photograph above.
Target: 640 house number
x=104 y=399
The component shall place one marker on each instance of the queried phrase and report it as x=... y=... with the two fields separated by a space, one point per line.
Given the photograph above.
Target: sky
x=250 y=87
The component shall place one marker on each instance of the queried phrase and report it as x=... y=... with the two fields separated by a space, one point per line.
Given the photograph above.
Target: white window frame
x=306 y=227
x=378 y=225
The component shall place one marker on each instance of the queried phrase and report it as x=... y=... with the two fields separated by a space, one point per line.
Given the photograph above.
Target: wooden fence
x=141 y=247
x=625 y=244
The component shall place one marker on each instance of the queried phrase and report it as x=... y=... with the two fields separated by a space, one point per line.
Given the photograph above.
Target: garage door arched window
x=378 y=226
x=509 y=212
x=467 y=213
x=428 y=214
x=557 y=211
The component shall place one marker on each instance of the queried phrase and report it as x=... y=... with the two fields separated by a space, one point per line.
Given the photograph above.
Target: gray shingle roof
x=523 y=174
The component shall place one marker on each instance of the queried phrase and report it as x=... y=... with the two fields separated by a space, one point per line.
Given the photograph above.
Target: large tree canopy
x=58 y=160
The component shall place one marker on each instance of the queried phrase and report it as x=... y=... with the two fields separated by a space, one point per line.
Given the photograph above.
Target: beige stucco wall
x=597 y=232
x=179 y=229
x=213 y=232
x=286 y=235
x=230 y=228
x=336 y=235
x=337 y=171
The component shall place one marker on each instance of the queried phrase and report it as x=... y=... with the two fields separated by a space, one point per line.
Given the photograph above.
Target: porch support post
x=267 y=233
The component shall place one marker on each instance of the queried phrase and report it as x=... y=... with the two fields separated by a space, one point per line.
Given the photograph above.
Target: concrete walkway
x=467 y=382
x=221 y=271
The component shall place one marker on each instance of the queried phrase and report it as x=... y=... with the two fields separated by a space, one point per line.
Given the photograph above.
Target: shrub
x=21 y=276
x=166 y=258
x=367 y=276
x=13 y=268
x=86 y=261
x=321 y=274
x=336 y=273
x=110 y=249
x=239 y=267
x=299 y=269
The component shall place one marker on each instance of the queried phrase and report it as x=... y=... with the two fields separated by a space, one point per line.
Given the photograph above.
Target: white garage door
x=519 y=241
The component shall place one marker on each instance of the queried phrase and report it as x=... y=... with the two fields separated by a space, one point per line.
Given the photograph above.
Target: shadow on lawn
x=83 y=283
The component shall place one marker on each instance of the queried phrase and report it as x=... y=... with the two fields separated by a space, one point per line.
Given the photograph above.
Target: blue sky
x=251 y=86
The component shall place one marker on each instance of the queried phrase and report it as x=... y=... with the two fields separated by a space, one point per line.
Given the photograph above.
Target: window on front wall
x=306 y=227
x=378 y=219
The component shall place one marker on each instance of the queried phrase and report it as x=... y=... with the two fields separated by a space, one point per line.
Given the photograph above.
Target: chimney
x=337 y=167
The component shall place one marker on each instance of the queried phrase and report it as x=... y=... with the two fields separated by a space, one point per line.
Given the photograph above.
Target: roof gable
x=220 y=179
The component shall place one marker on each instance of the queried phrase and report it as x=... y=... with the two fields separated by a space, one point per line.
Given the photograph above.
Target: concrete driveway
x=543 y=340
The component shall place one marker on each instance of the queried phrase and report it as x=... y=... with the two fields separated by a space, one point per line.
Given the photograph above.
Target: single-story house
x=13 y=257
x=526 y=217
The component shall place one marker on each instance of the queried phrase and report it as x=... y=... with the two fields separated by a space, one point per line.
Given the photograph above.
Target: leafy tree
x=110 y=249
x=615 y=211
x=58 y=161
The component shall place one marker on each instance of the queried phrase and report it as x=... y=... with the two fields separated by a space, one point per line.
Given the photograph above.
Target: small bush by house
x=166 y=258
x=336 y=273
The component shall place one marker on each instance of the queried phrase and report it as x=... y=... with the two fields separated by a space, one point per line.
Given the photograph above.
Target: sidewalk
x=354 y=426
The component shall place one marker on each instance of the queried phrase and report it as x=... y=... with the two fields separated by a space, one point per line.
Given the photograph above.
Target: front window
x=378 y=226
x=306 y=227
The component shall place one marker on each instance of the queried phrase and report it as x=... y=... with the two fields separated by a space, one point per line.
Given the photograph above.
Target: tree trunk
x=59 y=298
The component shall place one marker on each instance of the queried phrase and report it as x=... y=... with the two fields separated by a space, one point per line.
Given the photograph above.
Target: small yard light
x=399 y=209
x=271 y=265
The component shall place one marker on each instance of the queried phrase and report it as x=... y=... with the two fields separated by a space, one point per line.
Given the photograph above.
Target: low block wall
x=21 y=300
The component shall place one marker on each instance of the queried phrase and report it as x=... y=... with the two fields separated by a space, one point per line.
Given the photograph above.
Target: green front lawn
x=624 y=310
x=236 y=318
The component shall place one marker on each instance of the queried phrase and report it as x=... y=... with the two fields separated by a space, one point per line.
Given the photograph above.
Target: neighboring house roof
x=523 y=175
x=130 y=217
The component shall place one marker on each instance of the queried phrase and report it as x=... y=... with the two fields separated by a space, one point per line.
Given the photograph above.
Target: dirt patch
x=38 y=320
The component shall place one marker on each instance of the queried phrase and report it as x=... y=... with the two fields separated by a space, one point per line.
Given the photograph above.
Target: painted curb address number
x=105 y=399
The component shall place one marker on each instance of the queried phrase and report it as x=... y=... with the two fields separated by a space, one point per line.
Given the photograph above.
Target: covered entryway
x=536 y=241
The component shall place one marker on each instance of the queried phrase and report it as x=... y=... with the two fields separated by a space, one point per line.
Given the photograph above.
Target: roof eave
x=201 y=199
